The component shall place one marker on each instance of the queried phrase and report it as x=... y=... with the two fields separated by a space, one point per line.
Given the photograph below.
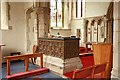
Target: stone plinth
x=62 y=66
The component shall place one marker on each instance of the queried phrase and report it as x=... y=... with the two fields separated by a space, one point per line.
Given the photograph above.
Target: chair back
x=35 y=48
x=83 y=73
x=100 y=68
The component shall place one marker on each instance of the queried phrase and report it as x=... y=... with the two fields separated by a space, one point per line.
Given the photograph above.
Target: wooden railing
x=26 y=60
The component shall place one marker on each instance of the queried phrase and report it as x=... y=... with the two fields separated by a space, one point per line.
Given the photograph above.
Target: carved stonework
x=95 y=29
x=59 y=48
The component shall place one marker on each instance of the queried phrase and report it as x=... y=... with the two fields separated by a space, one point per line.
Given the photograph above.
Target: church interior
x=59 y=39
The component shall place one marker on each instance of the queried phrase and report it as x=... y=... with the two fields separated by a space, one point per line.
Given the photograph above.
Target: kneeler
x=27 y=73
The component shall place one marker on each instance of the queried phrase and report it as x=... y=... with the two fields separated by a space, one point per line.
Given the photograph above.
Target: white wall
x=27 y=5
x=63 y=32
x=96 y=8
x=15 y=39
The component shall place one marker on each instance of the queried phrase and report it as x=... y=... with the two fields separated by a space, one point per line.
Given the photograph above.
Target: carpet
x=18 y=66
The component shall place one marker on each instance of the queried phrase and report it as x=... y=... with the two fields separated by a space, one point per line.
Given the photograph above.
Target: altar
x=61 y=54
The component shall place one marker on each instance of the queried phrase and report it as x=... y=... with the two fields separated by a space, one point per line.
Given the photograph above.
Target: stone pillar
x=66 y=17
x=38 y=20
x=43 y=16
x=85 y=24
x=31 y=29
x=35 y=29
x=116 y=41
x=43 y=21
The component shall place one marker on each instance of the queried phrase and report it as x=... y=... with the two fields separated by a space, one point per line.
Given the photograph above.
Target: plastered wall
x=96 y=8
x=14 y=39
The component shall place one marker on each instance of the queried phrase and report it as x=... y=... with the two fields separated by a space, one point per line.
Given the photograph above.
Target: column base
x=115 y=73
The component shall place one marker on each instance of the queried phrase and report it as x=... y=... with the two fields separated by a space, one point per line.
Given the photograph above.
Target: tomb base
x=61 y=66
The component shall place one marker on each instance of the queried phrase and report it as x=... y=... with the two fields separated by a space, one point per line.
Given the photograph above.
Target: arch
x=30 y=39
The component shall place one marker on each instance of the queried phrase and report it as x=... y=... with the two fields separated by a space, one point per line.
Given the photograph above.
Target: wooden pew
x=27 y=72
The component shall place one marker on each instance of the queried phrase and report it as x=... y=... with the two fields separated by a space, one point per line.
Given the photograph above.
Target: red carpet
x=87 y=60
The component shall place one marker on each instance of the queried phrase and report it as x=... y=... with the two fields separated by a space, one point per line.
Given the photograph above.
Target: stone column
x=42 y=10
x=43 y=16
x=116 y=42
x=85 y=24
x=66 y=17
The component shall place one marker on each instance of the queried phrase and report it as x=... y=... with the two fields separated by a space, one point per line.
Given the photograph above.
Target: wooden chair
x=99 y=71
x=83 y=73
x=35 y=50
x=102 y=53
